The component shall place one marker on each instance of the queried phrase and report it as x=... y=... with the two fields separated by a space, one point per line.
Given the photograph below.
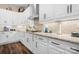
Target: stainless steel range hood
x=35 y=11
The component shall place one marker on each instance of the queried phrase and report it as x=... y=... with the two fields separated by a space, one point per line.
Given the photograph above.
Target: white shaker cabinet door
x=3 y=37
x=75 y=9
x=27 y=41
x=42 y=48
x=52 y=50
x=55 y=50
x=34 y=45
x=46 y=12
x=61 y=10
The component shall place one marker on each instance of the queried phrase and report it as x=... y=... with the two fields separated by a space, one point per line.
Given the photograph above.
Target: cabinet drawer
x=42 y=48
x=69 y=46
x=56 y=50
x=42 y=39
x=35 y=37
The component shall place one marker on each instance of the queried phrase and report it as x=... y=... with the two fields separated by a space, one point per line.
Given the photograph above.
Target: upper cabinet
x=61 y=10
x=74 y=9
x=56 y=12
x=46 y=12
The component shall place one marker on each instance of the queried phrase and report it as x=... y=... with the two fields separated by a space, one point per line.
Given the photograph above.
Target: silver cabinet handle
x=68 y=9
x=75 y=49
x=7 y=36
x=36 y=44
x=55 y=43
x=27 y=39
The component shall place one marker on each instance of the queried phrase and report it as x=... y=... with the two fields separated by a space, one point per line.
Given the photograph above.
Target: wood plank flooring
x=14 y=48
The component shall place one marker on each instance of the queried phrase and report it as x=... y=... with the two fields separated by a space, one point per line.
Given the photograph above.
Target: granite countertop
x=66 y=37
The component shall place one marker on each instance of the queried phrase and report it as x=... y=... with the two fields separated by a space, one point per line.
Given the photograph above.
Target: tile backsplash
x=54 y=27
x=69 y=26
x=65 y=27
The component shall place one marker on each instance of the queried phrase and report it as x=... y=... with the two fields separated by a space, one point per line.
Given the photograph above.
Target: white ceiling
x=14 y=7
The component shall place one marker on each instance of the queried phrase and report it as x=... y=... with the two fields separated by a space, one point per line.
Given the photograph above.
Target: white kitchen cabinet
x=54 y=50
x=27 y=41
x=61 y=10
x=54 y=47
x=42 y=45
x=34 y=44
x=75 y=9
x=62 y=47
x=56 y=12
x=3 y=37
x=42 y=48
x=30 y=42
x=46 y=12
x=50 y=12
x=7 y=37
x=18 y=35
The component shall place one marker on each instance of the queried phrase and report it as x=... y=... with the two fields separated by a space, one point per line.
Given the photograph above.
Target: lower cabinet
x=53 y=50
x=54 y=47
x=57 y=46
x=44 y=45
x=56 y=50
x=28 y=41
x=34 y=44
x=3 y=38
x=9 y=37
x=41 y=48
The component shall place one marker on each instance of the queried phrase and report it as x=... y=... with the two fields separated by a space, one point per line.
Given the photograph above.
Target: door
x=46 y=12
x=3 y=37
x=42 y=48
x=34 y=44
x=28 y=41
x=53 y=50
x=75 y=9
x=61 y=10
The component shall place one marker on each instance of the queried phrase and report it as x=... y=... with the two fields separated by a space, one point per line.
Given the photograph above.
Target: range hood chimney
x=35 y=11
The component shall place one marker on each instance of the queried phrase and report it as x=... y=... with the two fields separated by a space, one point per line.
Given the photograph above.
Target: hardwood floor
x=14 y=48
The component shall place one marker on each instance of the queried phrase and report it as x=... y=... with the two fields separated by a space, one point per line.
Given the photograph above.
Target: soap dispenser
x=46 y=28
